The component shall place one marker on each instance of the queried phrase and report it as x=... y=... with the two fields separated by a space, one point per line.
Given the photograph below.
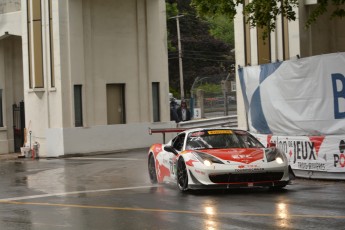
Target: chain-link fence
x=213 y=96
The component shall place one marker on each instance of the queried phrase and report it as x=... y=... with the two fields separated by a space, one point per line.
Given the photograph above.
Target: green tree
x=222 y=28
x=203 y=54
x=210 y=88
x=171 y=10
x=263 y=13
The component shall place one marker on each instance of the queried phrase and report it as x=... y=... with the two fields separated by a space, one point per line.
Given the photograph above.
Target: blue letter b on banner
x=339 y=95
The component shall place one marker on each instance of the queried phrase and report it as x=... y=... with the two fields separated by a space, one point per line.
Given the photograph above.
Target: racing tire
x=182 y=175
x=152 y=169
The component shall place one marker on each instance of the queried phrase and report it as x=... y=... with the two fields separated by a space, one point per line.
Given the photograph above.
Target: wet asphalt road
x=113 y=192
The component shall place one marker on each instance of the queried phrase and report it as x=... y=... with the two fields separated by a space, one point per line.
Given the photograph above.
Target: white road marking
x=75 y=192
x=99 y=158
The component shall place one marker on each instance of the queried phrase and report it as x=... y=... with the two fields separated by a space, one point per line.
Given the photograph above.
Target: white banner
x=296 y=97
x=311 y=153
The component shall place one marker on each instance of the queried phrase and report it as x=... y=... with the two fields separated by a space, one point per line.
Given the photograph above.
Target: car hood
x=240 y=155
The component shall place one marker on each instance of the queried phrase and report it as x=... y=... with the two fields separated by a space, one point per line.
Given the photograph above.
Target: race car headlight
x=207 y=162
x=279 y=160
x=207 y=159
x=274 y=155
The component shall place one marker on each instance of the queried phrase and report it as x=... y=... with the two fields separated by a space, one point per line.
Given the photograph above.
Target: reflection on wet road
x=114 y=192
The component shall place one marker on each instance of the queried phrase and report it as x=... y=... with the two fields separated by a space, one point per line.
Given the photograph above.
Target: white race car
x=217 y=158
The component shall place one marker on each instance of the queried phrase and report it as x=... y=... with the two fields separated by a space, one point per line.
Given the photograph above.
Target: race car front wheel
x=152 y=170
x=182 y=175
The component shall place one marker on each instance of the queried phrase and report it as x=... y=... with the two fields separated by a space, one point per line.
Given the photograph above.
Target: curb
x=9 y=156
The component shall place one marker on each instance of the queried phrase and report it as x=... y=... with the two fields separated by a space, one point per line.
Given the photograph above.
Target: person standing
x=183 y=112
x=173 y=111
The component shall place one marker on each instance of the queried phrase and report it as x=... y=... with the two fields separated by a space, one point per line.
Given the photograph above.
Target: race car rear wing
x=166 y=130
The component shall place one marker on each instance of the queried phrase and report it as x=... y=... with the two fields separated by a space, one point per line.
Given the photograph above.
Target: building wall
x=10 y=68
x=240 y=61
x=11 y=83
x=7 y=6
x=324 y=36
x=96 y=43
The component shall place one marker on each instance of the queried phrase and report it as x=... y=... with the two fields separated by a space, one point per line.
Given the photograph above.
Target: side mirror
x=271 y=145
x=170 y=149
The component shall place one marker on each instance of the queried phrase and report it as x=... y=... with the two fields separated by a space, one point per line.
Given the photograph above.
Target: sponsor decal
x=173 y=165
x=162 y=171
x=339 y=159
x=314 y=153
x=158 y=148
x=246 y=156
x=342 y=146
x=312 y=166
x=200 y=172
x=269 y=137
x=197 y=134
x=191 y=162
x=300 y=149
x=307 y=150
x=248 y=166
x=304 y=150
x=250 y=170
x=215 y=132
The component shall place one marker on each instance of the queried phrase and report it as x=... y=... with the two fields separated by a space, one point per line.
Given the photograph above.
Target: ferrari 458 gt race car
x=217 y=158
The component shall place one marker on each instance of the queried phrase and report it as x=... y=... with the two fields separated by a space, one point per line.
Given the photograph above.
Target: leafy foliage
x=203 y=54
x=263 y=13
x=210 y=88
x=222 y=28
x=171 y=10
x=323 y=6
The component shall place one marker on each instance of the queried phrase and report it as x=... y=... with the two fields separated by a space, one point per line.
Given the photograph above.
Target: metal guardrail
x=225 y=121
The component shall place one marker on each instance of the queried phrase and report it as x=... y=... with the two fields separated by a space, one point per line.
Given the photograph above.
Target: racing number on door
x=172 y=164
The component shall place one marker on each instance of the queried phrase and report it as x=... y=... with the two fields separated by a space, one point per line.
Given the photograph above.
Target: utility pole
x=179 y=54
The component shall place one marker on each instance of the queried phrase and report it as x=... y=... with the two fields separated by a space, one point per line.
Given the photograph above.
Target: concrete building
x=290 y=40
x=92 y=75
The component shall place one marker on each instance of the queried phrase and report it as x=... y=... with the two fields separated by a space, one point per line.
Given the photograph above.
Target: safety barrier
x=225 y=121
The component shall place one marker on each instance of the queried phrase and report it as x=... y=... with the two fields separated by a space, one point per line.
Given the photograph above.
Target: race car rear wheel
x=152 y=169
x=182 y=175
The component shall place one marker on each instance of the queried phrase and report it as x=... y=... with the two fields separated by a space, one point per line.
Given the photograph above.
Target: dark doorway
x=116 y=113
x=18 y=125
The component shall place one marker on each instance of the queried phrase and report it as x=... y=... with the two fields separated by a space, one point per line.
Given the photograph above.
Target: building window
x=247 y=46
x=264 y=47
x=116 y=111
x=29 y=40
x=78 y=106
x=285 y=25
x=52 y=77
x=155 y=102
x=1 y=116
x=35 y=45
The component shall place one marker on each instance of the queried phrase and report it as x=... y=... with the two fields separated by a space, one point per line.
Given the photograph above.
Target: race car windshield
x=221 y=139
